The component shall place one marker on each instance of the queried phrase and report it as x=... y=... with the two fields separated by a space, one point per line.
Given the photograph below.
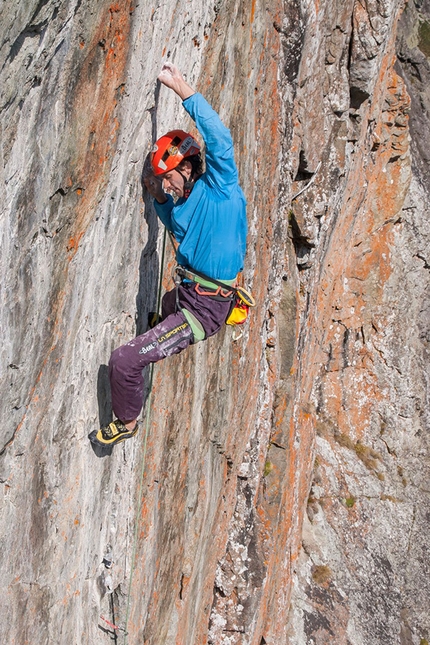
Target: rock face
x=280 y=495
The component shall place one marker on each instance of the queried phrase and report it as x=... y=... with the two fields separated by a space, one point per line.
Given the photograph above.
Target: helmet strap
x=188 y=184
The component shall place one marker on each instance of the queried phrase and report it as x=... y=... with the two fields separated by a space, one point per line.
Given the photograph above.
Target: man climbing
x=208 y=222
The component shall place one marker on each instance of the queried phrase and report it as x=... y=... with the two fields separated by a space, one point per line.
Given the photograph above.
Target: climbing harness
x=206 y=286
x=241 y=299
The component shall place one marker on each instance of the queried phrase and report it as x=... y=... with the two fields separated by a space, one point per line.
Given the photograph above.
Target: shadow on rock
x=146 y=297
x=104 y=401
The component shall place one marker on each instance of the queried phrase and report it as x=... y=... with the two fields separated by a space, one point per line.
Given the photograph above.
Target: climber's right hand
x=155 y=187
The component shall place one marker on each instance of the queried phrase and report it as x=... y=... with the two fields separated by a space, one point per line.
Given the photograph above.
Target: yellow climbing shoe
x=112 y=434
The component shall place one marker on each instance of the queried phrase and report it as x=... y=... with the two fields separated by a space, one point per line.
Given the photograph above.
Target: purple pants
x=169 y=337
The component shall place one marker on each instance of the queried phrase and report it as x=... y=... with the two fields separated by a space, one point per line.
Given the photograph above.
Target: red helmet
x=171 y=149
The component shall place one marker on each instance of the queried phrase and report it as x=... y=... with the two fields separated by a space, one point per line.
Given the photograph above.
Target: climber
x=208 y=222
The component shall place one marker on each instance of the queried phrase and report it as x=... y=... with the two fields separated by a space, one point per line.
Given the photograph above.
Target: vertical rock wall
x=206 y=532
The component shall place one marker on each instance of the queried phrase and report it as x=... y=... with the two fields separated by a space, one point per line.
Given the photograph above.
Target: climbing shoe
x=112 y=434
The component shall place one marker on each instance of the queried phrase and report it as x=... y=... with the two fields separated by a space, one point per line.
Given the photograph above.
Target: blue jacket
x=210 y=226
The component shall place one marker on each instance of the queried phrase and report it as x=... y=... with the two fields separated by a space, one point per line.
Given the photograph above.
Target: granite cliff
x=281 y=496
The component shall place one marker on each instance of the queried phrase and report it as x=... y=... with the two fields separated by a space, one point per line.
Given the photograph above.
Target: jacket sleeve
x=221 y=171
x=164 y=211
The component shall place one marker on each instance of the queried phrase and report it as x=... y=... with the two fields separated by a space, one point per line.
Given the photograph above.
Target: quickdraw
x=241 y=299
x=114 y=627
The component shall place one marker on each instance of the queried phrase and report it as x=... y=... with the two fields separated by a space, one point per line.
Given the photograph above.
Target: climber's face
x=173 y=182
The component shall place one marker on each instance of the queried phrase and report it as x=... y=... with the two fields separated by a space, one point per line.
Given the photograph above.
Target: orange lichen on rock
x=95 y=102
